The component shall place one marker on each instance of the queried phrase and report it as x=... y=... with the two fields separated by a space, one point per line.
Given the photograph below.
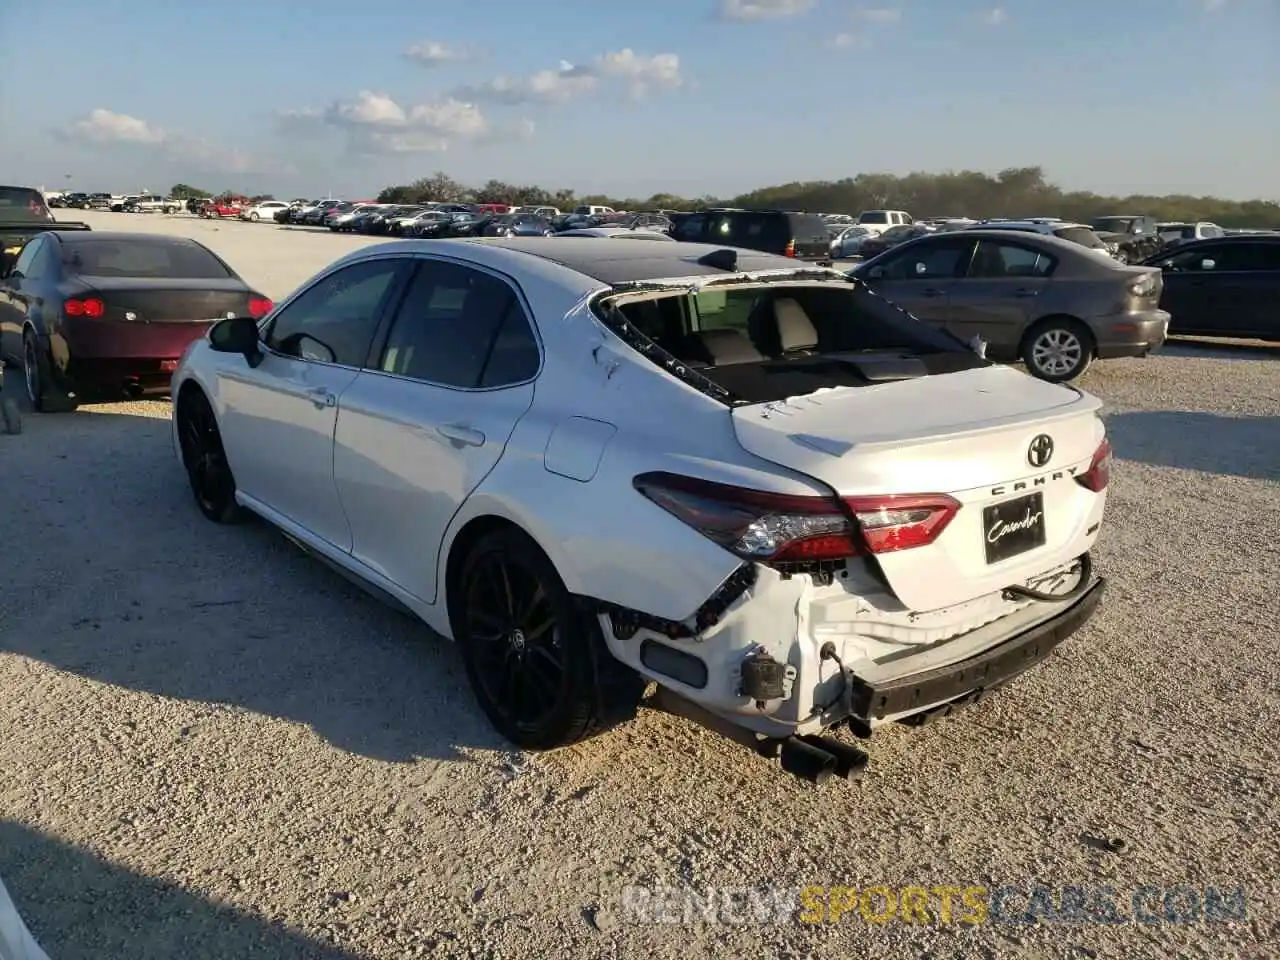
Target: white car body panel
x=372 y=483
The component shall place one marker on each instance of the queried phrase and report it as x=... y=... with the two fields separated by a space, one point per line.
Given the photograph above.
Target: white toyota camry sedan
x=597 y=464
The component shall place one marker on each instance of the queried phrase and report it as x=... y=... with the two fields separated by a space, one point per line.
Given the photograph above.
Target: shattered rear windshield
x=772 y=341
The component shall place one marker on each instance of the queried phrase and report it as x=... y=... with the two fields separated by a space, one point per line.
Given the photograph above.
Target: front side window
x=460 y=327
x=26 y=259
x=335 y=319
x=929 y=261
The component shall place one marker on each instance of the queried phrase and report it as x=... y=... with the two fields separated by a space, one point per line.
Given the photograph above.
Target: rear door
x=996 y=297
x=424 y=424
x=920 y=276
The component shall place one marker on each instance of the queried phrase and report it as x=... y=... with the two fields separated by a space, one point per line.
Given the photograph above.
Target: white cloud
x=432 y=53
x=881 y=14
x=102 y=126
x=375 y=123
x=570 y=81
x=995 y=16
x=105 y=126
x=754 y=10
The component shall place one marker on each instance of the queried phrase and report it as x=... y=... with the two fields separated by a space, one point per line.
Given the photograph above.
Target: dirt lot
x=214 y=747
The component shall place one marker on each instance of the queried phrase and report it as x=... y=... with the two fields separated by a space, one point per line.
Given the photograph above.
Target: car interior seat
x=719 y=347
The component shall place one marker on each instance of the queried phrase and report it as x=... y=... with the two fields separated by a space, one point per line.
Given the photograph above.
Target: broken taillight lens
x=775 y=527
x=1098 y=475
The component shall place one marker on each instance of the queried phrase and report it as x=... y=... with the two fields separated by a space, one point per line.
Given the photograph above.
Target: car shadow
x=79 y=907
x=1230 y=446
x=1215 y=349
x=117 y=577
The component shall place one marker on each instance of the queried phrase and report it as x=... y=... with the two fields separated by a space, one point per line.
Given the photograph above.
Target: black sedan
x=112 y=313
x=1225 y=287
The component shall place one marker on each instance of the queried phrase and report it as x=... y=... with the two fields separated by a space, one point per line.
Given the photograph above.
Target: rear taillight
x=259 y=307
x=90 y=307
x=1098 y=475
x=791 y=249
x=1146 y=286
x=773 y=527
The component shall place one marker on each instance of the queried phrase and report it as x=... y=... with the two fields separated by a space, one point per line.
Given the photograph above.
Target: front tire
x=205 y=460
x=538 y=664
x=1058 y=350
x=254 y=218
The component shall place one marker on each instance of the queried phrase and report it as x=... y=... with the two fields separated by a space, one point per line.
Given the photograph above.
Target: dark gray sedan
x=1050 y=303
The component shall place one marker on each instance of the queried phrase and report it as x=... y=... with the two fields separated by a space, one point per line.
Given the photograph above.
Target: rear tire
x=254 y=218
x=1058 y=350
x=41 y=393
x=205 y=460
x=538 y=664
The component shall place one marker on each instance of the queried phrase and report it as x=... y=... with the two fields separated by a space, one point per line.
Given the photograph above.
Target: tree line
x=1015 y=192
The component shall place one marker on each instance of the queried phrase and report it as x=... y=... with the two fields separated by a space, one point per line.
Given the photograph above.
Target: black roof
x=614 y=261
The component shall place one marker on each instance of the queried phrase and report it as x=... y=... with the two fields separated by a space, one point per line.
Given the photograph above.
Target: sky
x=691 y=97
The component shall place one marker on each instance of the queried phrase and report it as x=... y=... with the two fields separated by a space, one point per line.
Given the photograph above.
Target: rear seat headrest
x=725 y=345
x=795 y=329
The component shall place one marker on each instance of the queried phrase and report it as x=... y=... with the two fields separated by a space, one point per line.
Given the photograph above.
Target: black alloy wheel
x=538 y=665
x=205 y=460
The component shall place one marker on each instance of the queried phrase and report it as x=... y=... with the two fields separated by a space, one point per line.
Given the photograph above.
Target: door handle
x=460 y=435
x=1026 y=292
x=322 y=397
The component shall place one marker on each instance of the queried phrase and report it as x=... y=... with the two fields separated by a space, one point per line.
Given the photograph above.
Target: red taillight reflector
x=259 y=307
x=1098 y=475
x=90 y=307
x=774 y=527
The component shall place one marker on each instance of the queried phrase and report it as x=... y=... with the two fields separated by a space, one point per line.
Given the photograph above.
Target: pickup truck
x=23 y=215
x=151 y=203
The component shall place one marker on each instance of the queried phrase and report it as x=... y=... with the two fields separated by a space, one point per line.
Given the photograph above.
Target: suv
x=802 y=235
x=1135 y=238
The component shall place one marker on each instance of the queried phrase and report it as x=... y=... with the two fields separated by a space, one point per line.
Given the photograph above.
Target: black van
x=801 y=235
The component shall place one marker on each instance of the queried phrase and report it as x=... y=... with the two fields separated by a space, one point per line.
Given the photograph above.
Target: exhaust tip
x=851 y=763
x=803 y=759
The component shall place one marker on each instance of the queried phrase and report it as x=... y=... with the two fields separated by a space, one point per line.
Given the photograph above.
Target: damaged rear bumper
x=901 y=697
x=762 y=657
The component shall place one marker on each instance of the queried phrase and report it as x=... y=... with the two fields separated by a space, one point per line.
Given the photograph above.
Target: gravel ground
x=214 y=747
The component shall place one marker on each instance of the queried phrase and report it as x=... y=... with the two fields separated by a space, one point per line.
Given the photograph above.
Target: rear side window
x=875 y=216
x=993 y=260
x=459 y=327
x=144 y=257
x=809 y=228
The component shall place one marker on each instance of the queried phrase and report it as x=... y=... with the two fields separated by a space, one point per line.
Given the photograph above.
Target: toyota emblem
x=1041 y=450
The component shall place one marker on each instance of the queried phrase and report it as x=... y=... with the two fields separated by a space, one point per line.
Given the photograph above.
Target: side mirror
x=309 y=348
x=237 y=335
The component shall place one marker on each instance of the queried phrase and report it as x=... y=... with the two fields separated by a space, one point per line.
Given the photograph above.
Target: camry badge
x=1040 y=451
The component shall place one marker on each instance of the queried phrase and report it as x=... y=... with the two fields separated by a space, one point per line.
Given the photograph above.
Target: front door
x=420 y=429
x=921 y=276
x=280 y=416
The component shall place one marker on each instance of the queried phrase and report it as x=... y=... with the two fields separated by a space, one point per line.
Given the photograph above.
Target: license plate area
x=1013 y=527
